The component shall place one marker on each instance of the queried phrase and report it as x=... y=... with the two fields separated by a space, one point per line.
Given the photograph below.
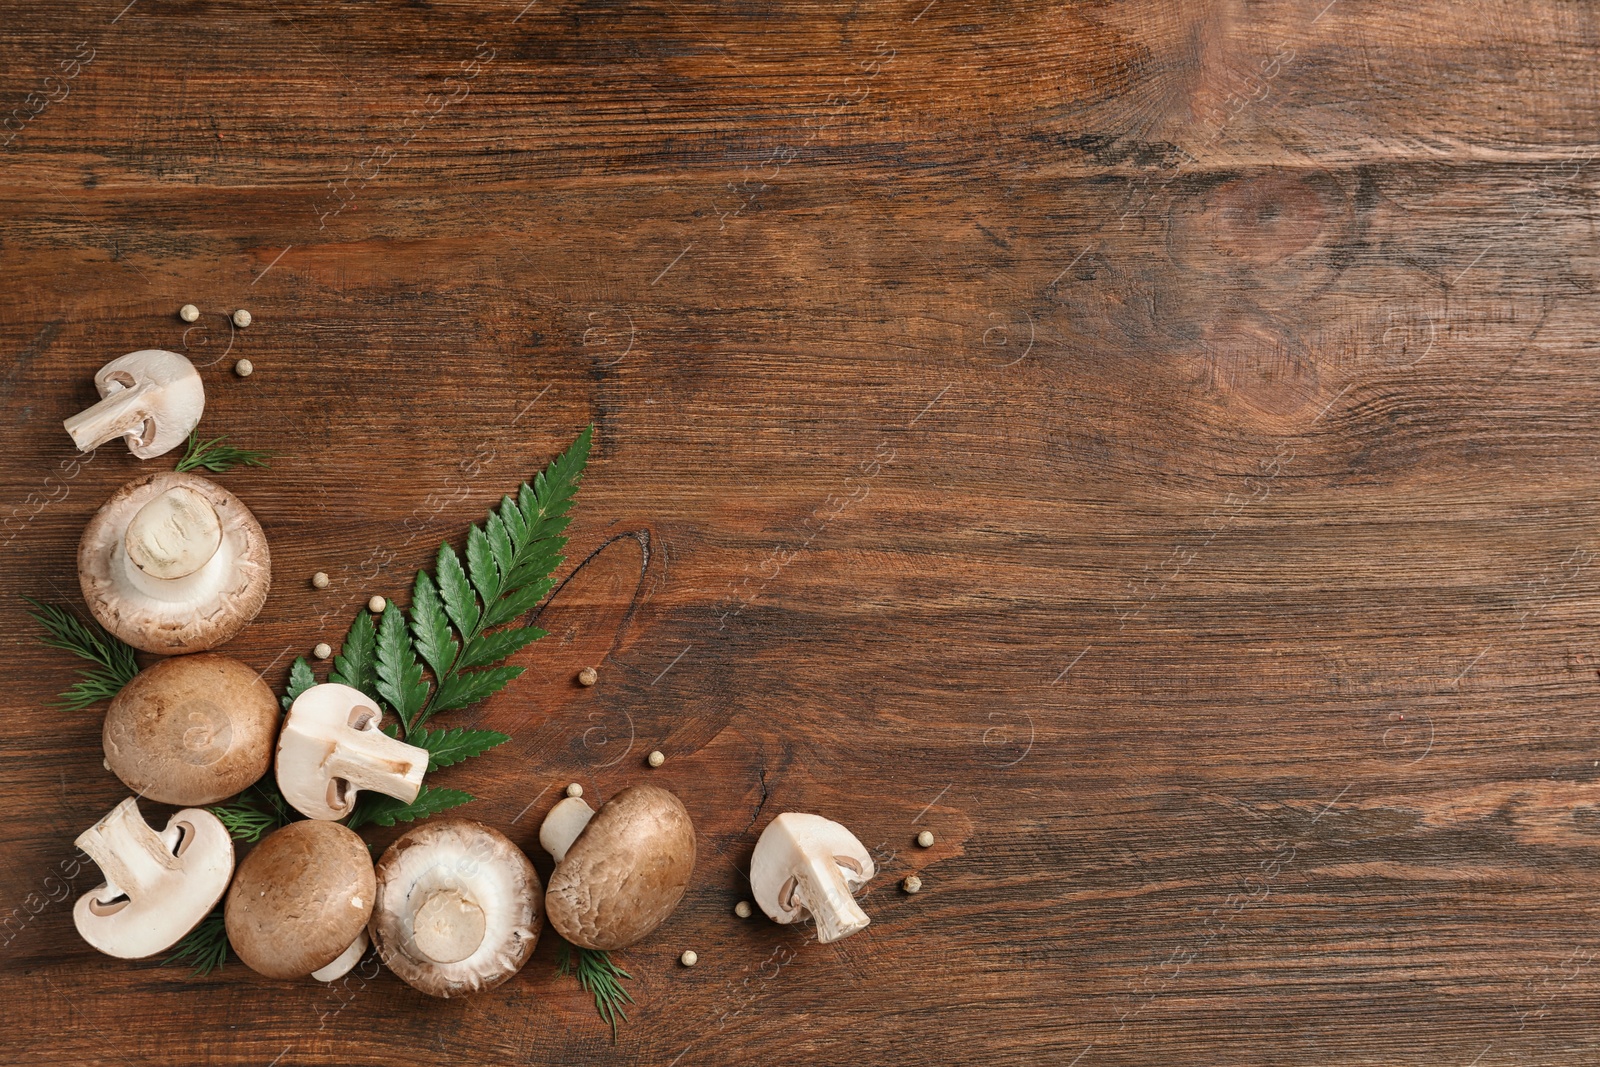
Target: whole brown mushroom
x=191 y=730
x=174 y=563
x=300 y=900
x=619 y=872
x=459 y=908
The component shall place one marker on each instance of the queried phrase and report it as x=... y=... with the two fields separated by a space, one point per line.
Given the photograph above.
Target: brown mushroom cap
x=458 y=910
x=300 y=898
x=625 y=873
x=228 y=595
x=191 y=730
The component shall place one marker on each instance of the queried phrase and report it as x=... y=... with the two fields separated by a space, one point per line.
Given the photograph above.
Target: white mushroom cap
x=158 y=886
x=174 y=563
x=331 y=748
x=459 y=908
x=152 y=398
x=805 y=865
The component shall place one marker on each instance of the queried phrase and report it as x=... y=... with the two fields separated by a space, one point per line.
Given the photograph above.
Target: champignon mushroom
x=173 y=563
x=301 y=900
x=807 y=865
x=191 y=730
x=158 y=885
x=331 y=748
x=152 y=398
x=619 y=872
x=459 y=908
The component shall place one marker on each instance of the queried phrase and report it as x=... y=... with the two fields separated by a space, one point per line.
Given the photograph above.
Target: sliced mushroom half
x=158 y=885
x=331 y=748
x=808 y=866
x=151 y=398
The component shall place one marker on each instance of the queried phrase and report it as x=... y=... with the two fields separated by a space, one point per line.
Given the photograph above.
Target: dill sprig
x=206 y=946
x=599 y=976
x=255 y=812
x=217 y=457
x=114 y=660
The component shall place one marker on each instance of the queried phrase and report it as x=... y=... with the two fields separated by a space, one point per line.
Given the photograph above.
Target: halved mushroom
x=301 y=901
x=619 y=872
x=173 y=563
x=191 y=730
x=805 y=865
x=458 y=908
x=152 y=398
x=158 y=885
x=331 y=748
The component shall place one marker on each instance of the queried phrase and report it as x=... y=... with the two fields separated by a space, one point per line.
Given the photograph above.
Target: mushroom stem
x=563 y=825
x=173 y=535
x=120 y=413
x=448 y=927
x=820 y=888
x=133 y=857
x=356 y=765
x=344 y=961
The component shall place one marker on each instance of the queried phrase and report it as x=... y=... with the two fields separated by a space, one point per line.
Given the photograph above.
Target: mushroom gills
x=808 y=866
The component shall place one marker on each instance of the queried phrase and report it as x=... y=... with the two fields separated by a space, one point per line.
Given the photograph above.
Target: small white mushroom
x=241 y=318
x=805 y=865
x=151 y=398
x=158 y=886
x=331 y=748
x=189 y=313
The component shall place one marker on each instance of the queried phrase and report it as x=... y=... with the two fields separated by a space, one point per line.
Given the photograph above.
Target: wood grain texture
x=1149 y=444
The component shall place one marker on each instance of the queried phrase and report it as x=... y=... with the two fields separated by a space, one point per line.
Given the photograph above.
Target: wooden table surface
x=1150 y=445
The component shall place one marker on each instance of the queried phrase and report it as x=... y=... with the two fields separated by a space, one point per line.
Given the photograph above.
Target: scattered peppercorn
x=925 y=839
x=241 y=318
x=912 y=884
x=322 y=651
x=588 y=676
x=376 y=605
x=188 y=313
x=244 y=368
x=656 y=759
x=320 y=580
x=743 y=909
x=574 y=790
x=689 y=959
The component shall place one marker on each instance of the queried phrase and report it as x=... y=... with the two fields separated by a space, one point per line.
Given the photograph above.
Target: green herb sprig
x=114 y=660
x=205 y=947
x=599 y=976
x=217 y=457
x=256 y=812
